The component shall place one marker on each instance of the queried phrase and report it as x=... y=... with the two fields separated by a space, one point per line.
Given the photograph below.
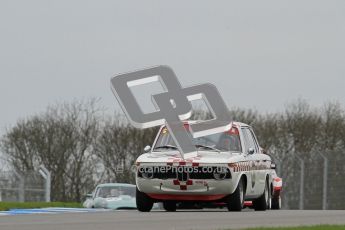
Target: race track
x=157 y=220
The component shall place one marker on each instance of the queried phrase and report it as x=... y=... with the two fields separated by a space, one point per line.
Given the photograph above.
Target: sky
x=260 y=54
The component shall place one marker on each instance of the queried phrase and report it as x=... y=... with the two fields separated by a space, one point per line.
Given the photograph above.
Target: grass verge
x=5 y=206
x=316 y=227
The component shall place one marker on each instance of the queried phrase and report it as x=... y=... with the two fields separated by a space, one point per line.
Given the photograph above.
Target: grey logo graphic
x=173 y=106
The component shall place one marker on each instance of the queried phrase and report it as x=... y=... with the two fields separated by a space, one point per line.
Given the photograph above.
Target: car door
x=261 y=161
x=95 y=195
x=252 y=151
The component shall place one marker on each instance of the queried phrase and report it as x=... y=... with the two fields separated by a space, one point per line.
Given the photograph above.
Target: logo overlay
x=173 y=106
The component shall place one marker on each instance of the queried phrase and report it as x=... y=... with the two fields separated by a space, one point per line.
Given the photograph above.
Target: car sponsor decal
x=248 y=166
x=164 y=131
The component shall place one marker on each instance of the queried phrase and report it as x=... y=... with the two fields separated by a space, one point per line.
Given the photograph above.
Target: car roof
x=236 y=123
x=116 y=184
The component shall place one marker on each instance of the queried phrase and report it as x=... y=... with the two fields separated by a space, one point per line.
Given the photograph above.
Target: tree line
x=82 y=145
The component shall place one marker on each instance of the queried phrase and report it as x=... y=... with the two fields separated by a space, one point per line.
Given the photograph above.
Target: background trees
x=62 y=140
x=118 y=145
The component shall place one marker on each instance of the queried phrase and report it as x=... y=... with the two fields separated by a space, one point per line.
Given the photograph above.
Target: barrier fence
x=25 y=187
x=310 y=181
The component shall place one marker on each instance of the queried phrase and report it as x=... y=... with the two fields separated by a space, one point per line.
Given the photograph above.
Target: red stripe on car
x=186 y=197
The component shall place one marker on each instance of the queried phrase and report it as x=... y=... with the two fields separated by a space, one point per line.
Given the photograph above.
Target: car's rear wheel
x=144 y=202
x=264 y=201
x=276 y=203
x=236 y=199
x=169 y=206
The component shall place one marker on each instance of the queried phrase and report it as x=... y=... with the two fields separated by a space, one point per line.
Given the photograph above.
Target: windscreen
x=115 y=191
x=228 y=141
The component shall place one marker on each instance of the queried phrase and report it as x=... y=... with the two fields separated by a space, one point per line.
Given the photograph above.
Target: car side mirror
x=147 y=148
x=88 y=196
x=264 y=151
x=250 y=151
x=273 y=166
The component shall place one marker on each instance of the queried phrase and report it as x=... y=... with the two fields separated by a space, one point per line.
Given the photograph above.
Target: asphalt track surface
x=157 y=220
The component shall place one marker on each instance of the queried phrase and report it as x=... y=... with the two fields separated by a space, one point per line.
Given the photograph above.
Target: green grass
x=316 y=227
x=4 y=206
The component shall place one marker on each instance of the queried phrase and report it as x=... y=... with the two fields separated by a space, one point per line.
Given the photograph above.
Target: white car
x=229 y=168
x=112 y=196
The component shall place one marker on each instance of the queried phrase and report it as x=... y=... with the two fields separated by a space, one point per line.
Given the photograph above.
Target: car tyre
x=264 y=201
x=236 y=199
x=144 y=202
x=276 y=203
x=169 y=206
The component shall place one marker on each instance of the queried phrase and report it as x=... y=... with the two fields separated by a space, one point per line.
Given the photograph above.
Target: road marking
x=50 y=211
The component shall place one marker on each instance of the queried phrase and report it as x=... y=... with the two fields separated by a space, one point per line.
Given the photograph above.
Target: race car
x=229 y=168
x=112 y=196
